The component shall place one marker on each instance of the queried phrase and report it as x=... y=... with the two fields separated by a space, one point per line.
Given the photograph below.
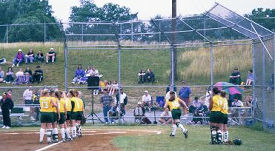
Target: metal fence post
x=263 y=87
x=132 y=32
x=66 y=64
x=172 y=65
x=7 y=36
x=45 y=34
x=211 y=65
x=274 y=76
x=82 y=33
x=254 y=82
x=159 y=33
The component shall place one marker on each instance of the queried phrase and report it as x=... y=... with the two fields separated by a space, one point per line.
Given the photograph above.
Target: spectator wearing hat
x=235 y=77
x=29 y=57
x=51 y=56
x=106 y=100
x=38 y=75
x=185 y=94
x=19 y=58
x=147 y=100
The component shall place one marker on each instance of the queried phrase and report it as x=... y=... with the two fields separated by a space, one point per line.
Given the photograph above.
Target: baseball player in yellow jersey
x=77 y=113
x=215 y=116
x=174 y=104
x=224 y=111
x=56 y=116
x=46 y=111
x=62 y=112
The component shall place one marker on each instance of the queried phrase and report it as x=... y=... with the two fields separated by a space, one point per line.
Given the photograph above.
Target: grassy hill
x=193 y=64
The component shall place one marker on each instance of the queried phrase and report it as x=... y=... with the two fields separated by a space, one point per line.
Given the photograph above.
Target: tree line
x=32 y=12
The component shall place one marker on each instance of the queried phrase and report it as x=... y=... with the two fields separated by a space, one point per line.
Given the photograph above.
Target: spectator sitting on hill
x=79 y=73
x=9 y=75
x=28 y=75
x=20 y=78
x=29 y=57
x=149 y=76
x=165 y=117
x=147 y=100
x=250 y=78
x=235 y=77
x=3 y=60
x=38 y=75
x=2 y=75
x=19 y=58
x=39 y=56
x=141 y=76
x=51 y=56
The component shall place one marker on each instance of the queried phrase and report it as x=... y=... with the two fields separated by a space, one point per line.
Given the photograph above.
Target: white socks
x=62 y=131
x=74 y=131
x=182 y=128
x=49 y=135
x=174 y=129
x=42 y=133
x=67 y=131
x=226 y=136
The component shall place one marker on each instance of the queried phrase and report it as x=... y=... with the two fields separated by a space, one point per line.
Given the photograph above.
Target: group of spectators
x=31 y=57
x=26 y=76
x=235 y=77
x=147 y=76
x=81 y=75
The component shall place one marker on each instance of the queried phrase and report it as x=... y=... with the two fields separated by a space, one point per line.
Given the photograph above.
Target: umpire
x=6 y=105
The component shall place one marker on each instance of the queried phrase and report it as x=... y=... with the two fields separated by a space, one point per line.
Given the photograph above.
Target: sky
x=150 y=8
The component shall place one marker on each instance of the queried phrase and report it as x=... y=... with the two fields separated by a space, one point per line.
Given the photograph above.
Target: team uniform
x=46 y=116
x=69 y=109
x=55 y=114
x=174 y=107
x=77 y=113
x=224 y=119
x=46 y=110
x=61 y=107
x=216 y=117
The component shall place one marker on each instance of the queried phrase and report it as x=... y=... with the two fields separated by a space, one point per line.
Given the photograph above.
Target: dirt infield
x=96 y=140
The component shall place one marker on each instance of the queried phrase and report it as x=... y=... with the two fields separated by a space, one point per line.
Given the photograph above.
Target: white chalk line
x=49 y=146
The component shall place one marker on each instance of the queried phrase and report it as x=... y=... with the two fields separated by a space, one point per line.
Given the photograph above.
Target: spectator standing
x=235 y=77
x=9 y=75
x=38 y=75
x=149 y=76
x=185 y=94
x=51 y=56
x=106 y=100
x=147 y=100
x=249 y=78
x=79 y=73
x=6 y=105
x=29 y=57
x=165 y=117
x=27 y=95
x=19 y=58
x=122 y=99
x=141 y=76
x=2 y=75
x=40 y=56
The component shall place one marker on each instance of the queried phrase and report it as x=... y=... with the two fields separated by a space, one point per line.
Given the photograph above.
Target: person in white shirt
x=165 y=117
x=27 y=95
x=147 y=100
x=237 y=103
x=122 y=99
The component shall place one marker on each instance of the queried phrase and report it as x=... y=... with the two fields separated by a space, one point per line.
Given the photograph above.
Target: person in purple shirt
x=79 y=73
x=19 y=58
x=185 y=94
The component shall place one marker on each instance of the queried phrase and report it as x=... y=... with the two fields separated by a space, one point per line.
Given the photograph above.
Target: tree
x=28 y=12
x=89 y=12
x=264 y=17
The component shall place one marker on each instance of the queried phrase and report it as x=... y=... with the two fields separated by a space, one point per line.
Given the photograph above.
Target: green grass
x=198 y=140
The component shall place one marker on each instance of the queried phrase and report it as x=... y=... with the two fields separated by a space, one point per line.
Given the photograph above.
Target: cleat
x=171 y=135
x=186 y=134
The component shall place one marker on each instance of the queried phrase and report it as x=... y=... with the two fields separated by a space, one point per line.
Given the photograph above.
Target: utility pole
x=173 y=40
